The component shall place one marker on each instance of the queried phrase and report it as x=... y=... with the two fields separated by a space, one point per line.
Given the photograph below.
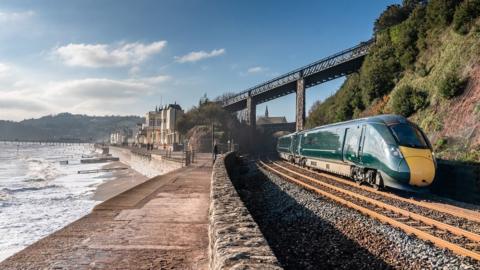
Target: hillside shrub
x=422 y=70
x=440 y=12
x=451 y=86
x=465 y=16
x=379 y=70
x=406 y=100
x=440 y=144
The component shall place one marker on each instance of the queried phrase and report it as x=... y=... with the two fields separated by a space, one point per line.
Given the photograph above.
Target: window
x=352 y=141
x=374 y=143
x=408 y=135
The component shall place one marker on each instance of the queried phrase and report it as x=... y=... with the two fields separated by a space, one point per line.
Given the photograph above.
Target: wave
x=24 y=189
x=40 y=170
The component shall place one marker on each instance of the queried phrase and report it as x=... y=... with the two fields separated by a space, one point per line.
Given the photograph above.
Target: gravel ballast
x=307 y=231
x=443 y=217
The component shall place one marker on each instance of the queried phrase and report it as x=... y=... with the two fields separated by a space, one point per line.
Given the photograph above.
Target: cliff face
x=424 y=65
x=458 y=137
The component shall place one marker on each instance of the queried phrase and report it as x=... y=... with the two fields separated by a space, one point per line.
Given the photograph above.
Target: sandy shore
x=123 y=180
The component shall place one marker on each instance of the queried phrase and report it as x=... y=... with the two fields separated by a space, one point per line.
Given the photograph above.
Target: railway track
x=471 y=216
x=458 y=240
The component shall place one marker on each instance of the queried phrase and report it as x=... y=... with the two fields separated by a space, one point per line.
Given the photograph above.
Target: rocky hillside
x=66 y=126
x=424 y=65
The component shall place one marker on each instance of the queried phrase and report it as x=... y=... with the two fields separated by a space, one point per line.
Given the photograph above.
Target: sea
x=40 y=193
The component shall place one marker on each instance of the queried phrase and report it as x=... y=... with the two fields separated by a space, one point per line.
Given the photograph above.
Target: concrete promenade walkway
x=160 y=224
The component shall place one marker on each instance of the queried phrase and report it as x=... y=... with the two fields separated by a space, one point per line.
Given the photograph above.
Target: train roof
x=386 y=119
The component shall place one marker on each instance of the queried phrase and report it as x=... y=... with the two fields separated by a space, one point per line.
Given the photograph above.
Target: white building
x=121 y=137
x=161 y=126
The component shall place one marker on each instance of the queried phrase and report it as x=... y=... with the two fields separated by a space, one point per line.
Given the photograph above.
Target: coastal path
x=159 y=224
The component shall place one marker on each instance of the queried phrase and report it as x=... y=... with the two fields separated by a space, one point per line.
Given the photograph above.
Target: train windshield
x=409 y=136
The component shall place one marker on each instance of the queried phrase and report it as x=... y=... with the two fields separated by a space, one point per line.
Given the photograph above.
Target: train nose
x=422 y=171
x=421 y=165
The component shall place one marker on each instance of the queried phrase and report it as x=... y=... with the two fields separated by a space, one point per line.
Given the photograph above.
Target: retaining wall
x=148 y=166
x=236 y=241
x=457 y=180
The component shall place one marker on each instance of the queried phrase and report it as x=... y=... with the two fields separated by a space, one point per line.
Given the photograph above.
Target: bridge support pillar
x=251 y=112
x=300 y=111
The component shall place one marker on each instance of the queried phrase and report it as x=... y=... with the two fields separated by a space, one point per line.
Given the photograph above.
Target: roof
x=271 y=120
x=166 y=107
x=386 y=119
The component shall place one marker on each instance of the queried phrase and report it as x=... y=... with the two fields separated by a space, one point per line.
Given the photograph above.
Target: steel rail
x=385 y=219
x=426 y=220
x=392 y=196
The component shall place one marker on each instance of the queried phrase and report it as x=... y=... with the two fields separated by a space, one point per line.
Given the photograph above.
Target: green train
x=383 y=151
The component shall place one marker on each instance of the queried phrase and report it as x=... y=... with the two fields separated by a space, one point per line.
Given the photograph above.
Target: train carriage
x=385 y=150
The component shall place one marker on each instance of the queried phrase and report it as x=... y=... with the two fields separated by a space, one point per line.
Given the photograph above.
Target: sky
x=110 y=57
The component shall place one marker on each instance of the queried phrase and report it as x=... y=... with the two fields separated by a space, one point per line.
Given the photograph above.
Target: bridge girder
x=329 y=68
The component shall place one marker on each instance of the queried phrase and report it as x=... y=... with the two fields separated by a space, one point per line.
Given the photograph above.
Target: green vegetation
x=451 y=86
x=423 y=55
x=206 y=113
x=465 y=16
x=67 y=126
x=406 y=100
x=210 y=113
x=415 y=47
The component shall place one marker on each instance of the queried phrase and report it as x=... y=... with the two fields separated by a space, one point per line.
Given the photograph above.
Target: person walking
x=215 y=152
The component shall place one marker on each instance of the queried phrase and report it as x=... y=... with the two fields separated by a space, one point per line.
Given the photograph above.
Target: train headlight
x=396 y=152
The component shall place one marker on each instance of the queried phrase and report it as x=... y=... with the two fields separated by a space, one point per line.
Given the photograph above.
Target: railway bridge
x=296 y=81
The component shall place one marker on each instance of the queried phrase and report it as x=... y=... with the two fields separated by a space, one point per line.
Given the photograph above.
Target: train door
x=295 y=140
x=352 y=144
x=361 y=143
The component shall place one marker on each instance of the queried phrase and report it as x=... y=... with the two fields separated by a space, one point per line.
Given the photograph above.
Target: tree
x=440 y=12
x=393 y=15
x=379 y=70
x=465 y=16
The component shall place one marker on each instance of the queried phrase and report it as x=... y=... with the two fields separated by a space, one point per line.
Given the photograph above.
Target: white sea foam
x=38 y=195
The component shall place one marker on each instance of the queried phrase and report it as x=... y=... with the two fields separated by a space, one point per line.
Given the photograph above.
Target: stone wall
x=148 y=166
x=236 y=241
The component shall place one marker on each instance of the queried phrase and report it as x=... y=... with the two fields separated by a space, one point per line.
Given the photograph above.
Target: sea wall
x=236 y=241
x=149 y=166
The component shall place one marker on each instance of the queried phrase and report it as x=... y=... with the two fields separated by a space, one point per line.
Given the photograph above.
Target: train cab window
x=409 y=136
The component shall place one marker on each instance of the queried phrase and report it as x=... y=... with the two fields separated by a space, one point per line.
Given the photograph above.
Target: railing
x=305 y=71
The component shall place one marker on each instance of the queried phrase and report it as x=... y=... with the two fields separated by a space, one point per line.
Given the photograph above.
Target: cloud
x=200 y=55
x=18 y=103
x=156 y=79
x=256 y=69
x=103 y=55
x=97 y=88
x=5 y=70
x=6 y=17
x=30 y=98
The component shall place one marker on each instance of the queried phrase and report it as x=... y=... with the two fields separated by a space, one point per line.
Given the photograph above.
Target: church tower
x=266 y=112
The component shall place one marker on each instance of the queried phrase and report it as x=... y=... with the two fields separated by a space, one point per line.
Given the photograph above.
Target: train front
x=417 y=154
